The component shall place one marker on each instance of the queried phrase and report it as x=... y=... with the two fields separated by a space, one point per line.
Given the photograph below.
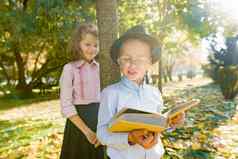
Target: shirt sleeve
x=107 y=110
x=160 y=106
x=66 y=92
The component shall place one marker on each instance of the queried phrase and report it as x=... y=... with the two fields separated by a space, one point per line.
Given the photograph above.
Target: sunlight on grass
x=35 y=129
x=30 y=138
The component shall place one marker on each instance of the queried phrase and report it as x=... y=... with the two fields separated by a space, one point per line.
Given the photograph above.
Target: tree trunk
x=165 y=78
x=21 y=85
x=160 y=75
x=169 y=73
x=5 y=73
x=108 y=30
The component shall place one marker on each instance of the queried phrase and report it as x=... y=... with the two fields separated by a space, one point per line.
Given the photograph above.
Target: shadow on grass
x=12 y=101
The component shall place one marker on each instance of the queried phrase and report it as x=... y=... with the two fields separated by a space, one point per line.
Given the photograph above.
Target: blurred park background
x=199 y=42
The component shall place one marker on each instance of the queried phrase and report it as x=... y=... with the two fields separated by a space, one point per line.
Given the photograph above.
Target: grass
x=26 y=136
x=195 y=140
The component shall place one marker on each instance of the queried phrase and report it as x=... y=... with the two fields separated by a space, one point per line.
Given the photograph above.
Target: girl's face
x=88 y=46
x=135 y=60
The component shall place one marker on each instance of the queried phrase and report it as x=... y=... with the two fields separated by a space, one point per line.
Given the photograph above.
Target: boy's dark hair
x=136 y=33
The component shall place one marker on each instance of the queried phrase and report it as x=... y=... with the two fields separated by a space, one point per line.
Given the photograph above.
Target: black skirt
x=75 y=144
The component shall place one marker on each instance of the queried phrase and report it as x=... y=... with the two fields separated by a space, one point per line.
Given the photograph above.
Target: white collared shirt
x=113 y=99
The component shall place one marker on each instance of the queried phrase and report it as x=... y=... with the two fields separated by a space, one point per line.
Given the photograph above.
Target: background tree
x=223 y=67
x=35 y=34
x=165 y=18
x=108 y=29
x=34 y=37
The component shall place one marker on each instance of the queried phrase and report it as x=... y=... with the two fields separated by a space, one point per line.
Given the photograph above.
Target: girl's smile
x=89 y=47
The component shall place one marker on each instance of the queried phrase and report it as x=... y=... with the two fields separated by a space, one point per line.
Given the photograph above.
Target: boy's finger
x=148 y=140
x=153 y=142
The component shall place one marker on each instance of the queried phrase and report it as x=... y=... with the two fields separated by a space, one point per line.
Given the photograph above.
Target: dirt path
x=170 y=87
x=49 y=110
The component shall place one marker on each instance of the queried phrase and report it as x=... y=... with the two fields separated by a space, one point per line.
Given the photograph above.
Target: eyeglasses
x=126 y=60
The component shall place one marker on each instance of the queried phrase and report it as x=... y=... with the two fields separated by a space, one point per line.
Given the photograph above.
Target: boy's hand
x=137 y=136
x=177 y=120
x=150 y=140
x=144 y=138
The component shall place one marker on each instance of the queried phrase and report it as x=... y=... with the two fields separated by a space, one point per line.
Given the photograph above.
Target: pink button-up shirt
x=79 y=84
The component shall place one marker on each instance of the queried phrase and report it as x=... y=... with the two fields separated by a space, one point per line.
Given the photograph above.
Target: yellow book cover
x=130 y=119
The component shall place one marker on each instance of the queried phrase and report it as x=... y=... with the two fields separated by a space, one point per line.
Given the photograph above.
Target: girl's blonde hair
x=78 y=34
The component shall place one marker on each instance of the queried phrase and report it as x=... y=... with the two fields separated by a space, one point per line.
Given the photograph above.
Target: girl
x=79 y=96
x=135 y=52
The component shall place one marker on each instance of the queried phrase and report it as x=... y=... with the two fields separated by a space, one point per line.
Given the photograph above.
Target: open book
x=129 y=119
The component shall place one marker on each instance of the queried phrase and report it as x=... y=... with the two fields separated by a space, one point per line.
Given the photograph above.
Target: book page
x=133 y=121
x=150 y=119
x=181 y=108
x=128 y=110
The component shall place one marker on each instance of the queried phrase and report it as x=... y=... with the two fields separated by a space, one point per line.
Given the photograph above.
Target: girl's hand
x=177 y=120
x=92 y=138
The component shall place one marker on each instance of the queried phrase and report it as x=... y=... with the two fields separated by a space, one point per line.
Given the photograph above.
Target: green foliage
x=34 y=39
x=195 y=17
x=198 y=154
x=173 y=23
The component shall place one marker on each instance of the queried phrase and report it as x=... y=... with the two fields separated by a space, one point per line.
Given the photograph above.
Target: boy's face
x=135 y=60
x=88 y=46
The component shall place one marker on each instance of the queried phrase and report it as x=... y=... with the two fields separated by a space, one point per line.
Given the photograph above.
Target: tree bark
x=22 y=85
x=25 y=4
x=108 y=31
x=5 y=73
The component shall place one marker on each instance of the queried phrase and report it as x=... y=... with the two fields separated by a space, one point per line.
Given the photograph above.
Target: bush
x=228 y=80
x=223 y=67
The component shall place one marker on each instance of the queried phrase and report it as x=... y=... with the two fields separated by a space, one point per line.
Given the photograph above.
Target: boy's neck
x=138 y=82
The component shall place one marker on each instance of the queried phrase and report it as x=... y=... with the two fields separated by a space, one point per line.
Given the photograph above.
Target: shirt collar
x=130 y=84
x=80 y=63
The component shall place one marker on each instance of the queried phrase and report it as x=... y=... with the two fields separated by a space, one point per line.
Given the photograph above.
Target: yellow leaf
x=196 y=146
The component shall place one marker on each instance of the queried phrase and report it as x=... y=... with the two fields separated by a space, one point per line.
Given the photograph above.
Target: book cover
x=130 y=119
